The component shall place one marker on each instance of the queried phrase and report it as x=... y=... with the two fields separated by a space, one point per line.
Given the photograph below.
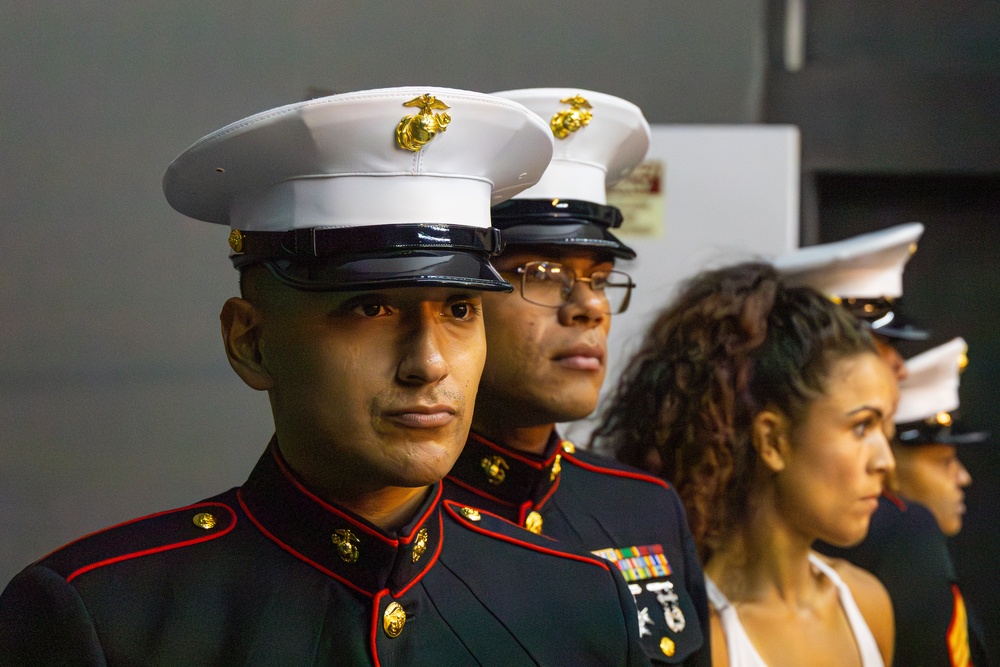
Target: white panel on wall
x=729 y=193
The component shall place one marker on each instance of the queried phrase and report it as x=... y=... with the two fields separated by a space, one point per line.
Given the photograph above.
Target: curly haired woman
x=767 y=407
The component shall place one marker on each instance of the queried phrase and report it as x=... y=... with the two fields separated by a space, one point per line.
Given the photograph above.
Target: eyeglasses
x=551 y=284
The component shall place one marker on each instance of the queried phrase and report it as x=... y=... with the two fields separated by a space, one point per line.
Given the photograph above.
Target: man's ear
x=770 y=435
x=241 y=321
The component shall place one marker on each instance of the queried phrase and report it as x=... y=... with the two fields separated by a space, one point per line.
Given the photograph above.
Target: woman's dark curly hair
x=735 y=341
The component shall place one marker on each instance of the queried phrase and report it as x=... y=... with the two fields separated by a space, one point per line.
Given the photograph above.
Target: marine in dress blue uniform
x=562 y=226
x=257 y=576
x=905 y=546
x=335 y=202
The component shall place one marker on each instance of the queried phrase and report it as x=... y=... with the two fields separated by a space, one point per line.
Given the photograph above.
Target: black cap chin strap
x=253 y=247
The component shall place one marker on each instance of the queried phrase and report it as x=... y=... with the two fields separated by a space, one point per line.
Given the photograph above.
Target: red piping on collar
x=430 y=561
x=506 y=451
x=895 y=500
x=295 y=553
x=329 y=508
x=478 y=492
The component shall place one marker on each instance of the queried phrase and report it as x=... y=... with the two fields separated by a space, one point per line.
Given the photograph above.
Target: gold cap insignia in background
x=413 y=132
x=567 y=121
x=236 y=241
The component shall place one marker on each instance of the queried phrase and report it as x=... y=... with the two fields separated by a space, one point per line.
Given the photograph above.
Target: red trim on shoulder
x=450 y=506
x=506 y=451
x=642 y=477
x=295 y=553
x=160 y=549
x=322 y=503
x=482 y=494
x=430 y=561
x=895 y=500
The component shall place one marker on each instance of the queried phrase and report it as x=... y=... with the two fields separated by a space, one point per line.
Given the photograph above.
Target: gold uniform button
x=568 y=447
x=533 y=522
x=204 y=520
x=667 y=646
x=470 y=514
x=394 y=619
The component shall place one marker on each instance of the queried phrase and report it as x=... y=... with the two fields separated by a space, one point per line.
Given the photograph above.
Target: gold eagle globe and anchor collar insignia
x=414 y=132
x=347 y=544
x=495 y=468
x=334 y=540
x=567 y=121
x=517 y=483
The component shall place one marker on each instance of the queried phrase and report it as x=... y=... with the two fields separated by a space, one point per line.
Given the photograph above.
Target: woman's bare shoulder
x=872 y=599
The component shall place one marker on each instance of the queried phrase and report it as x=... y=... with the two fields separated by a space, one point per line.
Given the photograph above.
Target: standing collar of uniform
x=333 y=539
x=509 y=476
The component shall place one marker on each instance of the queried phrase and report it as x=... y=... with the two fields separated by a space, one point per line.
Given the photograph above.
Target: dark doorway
x=951 y=285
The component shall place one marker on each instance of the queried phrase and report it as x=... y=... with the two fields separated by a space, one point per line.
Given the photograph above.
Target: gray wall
x=115 y=397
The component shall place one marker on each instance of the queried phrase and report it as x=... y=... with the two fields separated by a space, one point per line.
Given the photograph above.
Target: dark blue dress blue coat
x=603 y=507
x=269 y=574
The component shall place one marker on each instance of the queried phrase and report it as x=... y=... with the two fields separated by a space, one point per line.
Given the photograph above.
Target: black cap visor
x=918 y=433
x=885 y=318
x=410 y=268
x=365 y=258
x=560 y=222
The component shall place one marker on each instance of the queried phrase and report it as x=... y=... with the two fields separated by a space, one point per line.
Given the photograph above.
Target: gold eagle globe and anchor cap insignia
x=414 y=132
x=310 y=187
x=567 y=121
